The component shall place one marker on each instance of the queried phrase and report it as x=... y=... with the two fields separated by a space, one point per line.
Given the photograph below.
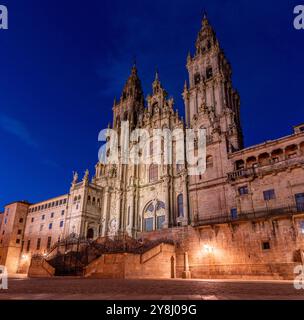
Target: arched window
x=209 y=73
x=180 y=205
x=153 y=172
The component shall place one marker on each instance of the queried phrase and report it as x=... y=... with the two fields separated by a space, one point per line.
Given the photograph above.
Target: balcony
x=253 y=215
x=264 y=169
x=241 y=173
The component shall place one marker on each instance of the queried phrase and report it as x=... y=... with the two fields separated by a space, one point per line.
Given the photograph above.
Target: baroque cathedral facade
x=249 y=202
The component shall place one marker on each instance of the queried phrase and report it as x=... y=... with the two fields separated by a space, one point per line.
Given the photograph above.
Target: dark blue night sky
x=62 y=63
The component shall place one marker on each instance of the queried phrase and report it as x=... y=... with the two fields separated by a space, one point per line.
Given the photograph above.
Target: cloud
x=18 y=129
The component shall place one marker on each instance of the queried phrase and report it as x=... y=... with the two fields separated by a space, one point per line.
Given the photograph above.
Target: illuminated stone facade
x=244 y=216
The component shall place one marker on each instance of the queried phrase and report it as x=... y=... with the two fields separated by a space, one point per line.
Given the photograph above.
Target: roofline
x=19 y=201
x=53 y=198
x=268 y=142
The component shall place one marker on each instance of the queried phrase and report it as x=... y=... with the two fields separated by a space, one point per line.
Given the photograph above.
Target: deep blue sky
x=62 y=63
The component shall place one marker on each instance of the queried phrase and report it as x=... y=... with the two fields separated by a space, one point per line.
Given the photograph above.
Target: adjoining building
x=244 y=217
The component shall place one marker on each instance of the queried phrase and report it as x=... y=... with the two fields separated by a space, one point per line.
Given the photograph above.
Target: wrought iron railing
x=247 y=172
x=252 y=215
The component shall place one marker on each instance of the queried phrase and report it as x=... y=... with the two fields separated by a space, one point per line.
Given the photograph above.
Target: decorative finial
x=205 y=19
x=189 y=58
x=156 y=75
x=75 y=178
x=86 y=176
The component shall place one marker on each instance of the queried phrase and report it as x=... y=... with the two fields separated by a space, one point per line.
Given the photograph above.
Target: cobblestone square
x=118 y=289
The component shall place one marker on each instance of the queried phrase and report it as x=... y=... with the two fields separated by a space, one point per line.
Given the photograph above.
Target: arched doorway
x=90 y=233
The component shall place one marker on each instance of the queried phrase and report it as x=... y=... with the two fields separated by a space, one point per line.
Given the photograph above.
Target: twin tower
x=135 y=198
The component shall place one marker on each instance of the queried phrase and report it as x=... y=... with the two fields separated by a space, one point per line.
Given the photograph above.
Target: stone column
x=185 y=200
x=105 y=212
x=168 y=220
x=186 y=273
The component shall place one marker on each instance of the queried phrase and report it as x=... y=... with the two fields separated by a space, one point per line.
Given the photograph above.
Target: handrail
x=251 y=215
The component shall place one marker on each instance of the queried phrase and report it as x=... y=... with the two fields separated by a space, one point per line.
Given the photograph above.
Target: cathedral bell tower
x=131 y=102
x=210 y=100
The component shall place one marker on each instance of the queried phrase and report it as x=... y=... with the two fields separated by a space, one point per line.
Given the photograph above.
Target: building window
x=21 y=220
x=32 y=220
x=19 y=231
x=299 y=197
x=209 y=162
x=265 y=245
x=49 y=241
x=28 y=245
x=180 y=205
x=50 y=226
x=61 y=224
x=179 y=167
x=17 y=241
x=149 y=224
x=243 y=190
x=153 y=172
x=159 y=222
x=151 y=148
x=128 y=221
x=42 y=217
x=52 y=215
x=62 y=212
x=302 y=226
x=5 y=221
x=233 y=213
x=209 y=73
x=197 y=78
x=269 y=195
x=38 y=244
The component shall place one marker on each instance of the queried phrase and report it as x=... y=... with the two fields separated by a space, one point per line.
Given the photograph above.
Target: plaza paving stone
x=119 y=289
